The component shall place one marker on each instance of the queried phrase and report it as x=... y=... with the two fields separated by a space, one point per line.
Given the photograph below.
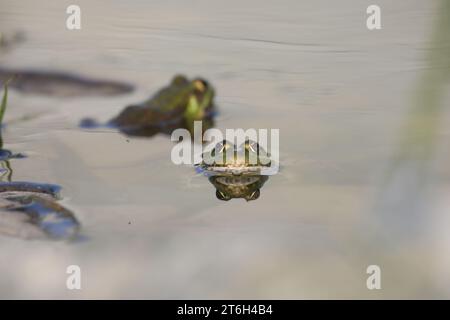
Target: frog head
x=235 y=171
x=199 y=102
x=226 y=158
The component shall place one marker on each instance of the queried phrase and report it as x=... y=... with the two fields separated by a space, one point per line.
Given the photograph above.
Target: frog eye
x=222 y=196
x=200 y=85
x=221 y=147
x=252 y=146
x=253 y=196
x=224 y=147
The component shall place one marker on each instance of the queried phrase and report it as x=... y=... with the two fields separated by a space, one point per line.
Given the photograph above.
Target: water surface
x=339 y=94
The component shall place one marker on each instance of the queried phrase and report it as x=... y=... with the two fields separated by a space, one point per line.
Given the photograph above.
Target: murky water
x=340 y=95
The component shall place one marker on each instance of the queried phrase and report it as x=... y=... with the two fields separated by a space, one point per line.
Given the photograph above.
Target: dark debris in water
x=6 y=155
x=58 y=84
x=31 y=211
x=19 y=186
x=27 y=209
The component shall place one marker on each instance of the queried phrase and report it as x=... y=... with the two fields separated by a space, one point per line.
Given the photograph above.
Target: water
x=339 y=94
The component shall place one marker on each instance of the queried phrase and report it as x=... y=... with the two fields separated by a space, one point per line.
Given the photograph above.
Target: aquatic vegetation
x=5 y=154
x=4 y=102
x=28 y=209
x=404 y=189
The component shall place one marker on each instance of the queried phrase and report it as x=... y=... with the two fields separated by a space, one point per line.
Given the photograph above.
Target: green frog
x=234 y=171
x=178 y=105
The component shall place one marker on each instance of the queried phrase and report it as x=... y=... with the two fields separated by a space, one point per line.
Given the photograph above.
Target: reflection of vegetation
x=405 y=183
x=5 y=171
x=421 y=128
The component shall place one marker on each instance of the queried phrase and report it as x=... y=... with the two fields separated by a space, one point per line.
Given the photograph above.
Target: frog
x=175 y=106
x=236 y=171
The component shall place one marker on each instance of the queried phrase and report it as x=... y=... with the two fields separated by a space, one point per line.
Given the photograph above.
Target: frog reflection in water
x=236 y=172
x=175 y=106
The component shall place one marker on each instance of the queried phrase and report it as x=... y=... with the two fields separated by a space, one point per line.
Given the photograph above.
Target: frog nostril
x=222 y=146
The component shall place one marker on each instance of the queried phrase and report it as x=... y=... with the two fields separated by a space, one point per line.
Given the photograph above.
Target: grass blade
x=4 y=102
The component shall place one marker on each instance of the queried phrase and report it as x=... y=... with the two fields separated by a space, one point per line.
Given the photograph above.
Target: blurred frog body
x=175 y=106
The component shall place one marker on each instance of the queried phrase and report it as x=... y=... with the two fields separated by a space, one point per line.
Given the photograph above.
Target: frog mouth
x=234 y=170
